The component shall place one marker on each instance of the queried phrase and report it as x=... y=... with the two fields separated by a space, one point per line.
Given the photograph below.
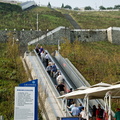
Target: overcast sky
x=79 y=3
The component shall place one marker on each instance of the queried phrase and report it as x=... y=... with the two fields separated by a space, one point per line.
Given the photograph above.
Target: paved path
x=72 y=21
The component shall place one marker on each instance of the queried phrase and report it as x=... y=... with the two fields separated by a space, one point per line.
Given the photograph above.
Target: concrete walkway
x=72 y=21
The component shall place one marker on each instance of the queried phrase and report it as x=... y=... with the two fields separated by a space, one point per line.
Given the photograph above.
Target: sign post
x=26 y=101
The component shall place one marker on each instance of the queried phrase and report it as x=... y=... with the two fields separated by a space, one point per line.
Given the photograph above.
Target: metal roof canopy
x=93 y=92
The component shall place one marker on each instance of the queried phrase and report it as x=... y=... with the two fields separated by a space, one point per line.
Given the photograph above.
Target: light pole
x=14 y=36
x=37 y=22
x=6 y=35
x=58 y=45
x=46 y=34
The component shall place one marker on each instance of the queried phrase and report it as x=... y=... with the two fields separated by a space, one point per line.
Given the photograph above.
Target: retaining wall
x=113 y=34
x=25 y=38
x=88 y=35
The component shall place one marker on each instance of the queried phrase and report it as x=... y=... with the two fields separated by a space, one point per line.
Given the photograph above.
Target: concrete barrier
x=113 y=34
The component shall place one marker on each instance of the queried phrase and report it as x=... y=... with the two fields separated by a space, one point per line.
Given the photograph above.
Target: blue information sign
x=33 y=83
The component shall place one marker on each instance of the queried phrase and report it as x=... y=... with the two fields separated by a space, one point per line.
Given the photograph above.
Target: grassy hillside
x=12 y=74
x=47 y=19
x=96 y=19
x=12 y=17
x=7 y=7
x=97 y=61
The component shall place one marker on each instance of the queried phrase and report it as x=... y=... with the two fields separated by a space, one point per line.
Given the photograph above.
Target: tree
x=68 y=6
x=109 y=8
x=62 y=5
x=117 y=7
x=88 y=8
x=102 y=8
x=76 y=8
x=49 y=5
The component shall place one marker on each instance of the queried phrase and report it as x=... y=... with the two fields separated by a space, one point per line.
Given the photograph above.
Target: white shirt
x=59 y=79
x=83 y=114
x=46 y=56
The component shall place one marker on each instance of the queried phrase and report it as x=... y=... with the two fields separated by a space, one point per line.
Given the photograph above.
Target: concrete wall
x=113 y=34
x=52 y=37
x=88 y=35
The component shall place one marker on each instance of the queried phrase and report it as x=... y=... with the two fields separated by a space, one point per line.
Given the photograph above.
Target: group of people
x=77 y=111
x=42 y=54
x=57 y=75
x=101 y=114
x=51 y=69
x=97 y=112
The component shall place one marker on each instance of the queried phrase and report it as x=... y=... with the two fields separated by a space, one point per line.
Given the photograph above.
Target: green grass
x=96 y=19
x=97 y=61
x=11 y=75
x=47 y=19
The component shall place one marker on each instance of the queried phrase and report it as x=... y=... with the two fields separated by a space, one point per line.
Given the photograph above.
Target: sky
x=78 y=3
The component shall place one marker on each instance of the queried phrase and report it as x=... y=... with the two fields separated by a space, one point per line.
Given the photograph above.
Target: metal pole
x=109 y=106
x=63 y=107
x=87 y=107
x=14 y=36
x=37 y=21
x=66 y=107
x=58 y=46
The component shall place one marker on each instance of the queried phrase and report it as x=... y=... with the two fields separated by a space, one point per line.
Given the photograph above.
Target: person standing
x=99 y=113
x=46 y=59
x=69 y=101
x=105 y=115
x=117 y=114
x=53 y=70
x=94 y=112
x=37 y=48
x=48 y=68
x=59 y=78
x=71 y=106
x=61 y=88
x=83 y=115
x=42 y=56
x=80 y=107
x=41 y=49
x=75 y=111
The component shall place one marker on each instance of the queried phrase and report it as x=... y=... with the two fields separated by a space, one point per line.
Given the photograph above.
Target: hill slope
x=95 y=19
x=47 y=19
